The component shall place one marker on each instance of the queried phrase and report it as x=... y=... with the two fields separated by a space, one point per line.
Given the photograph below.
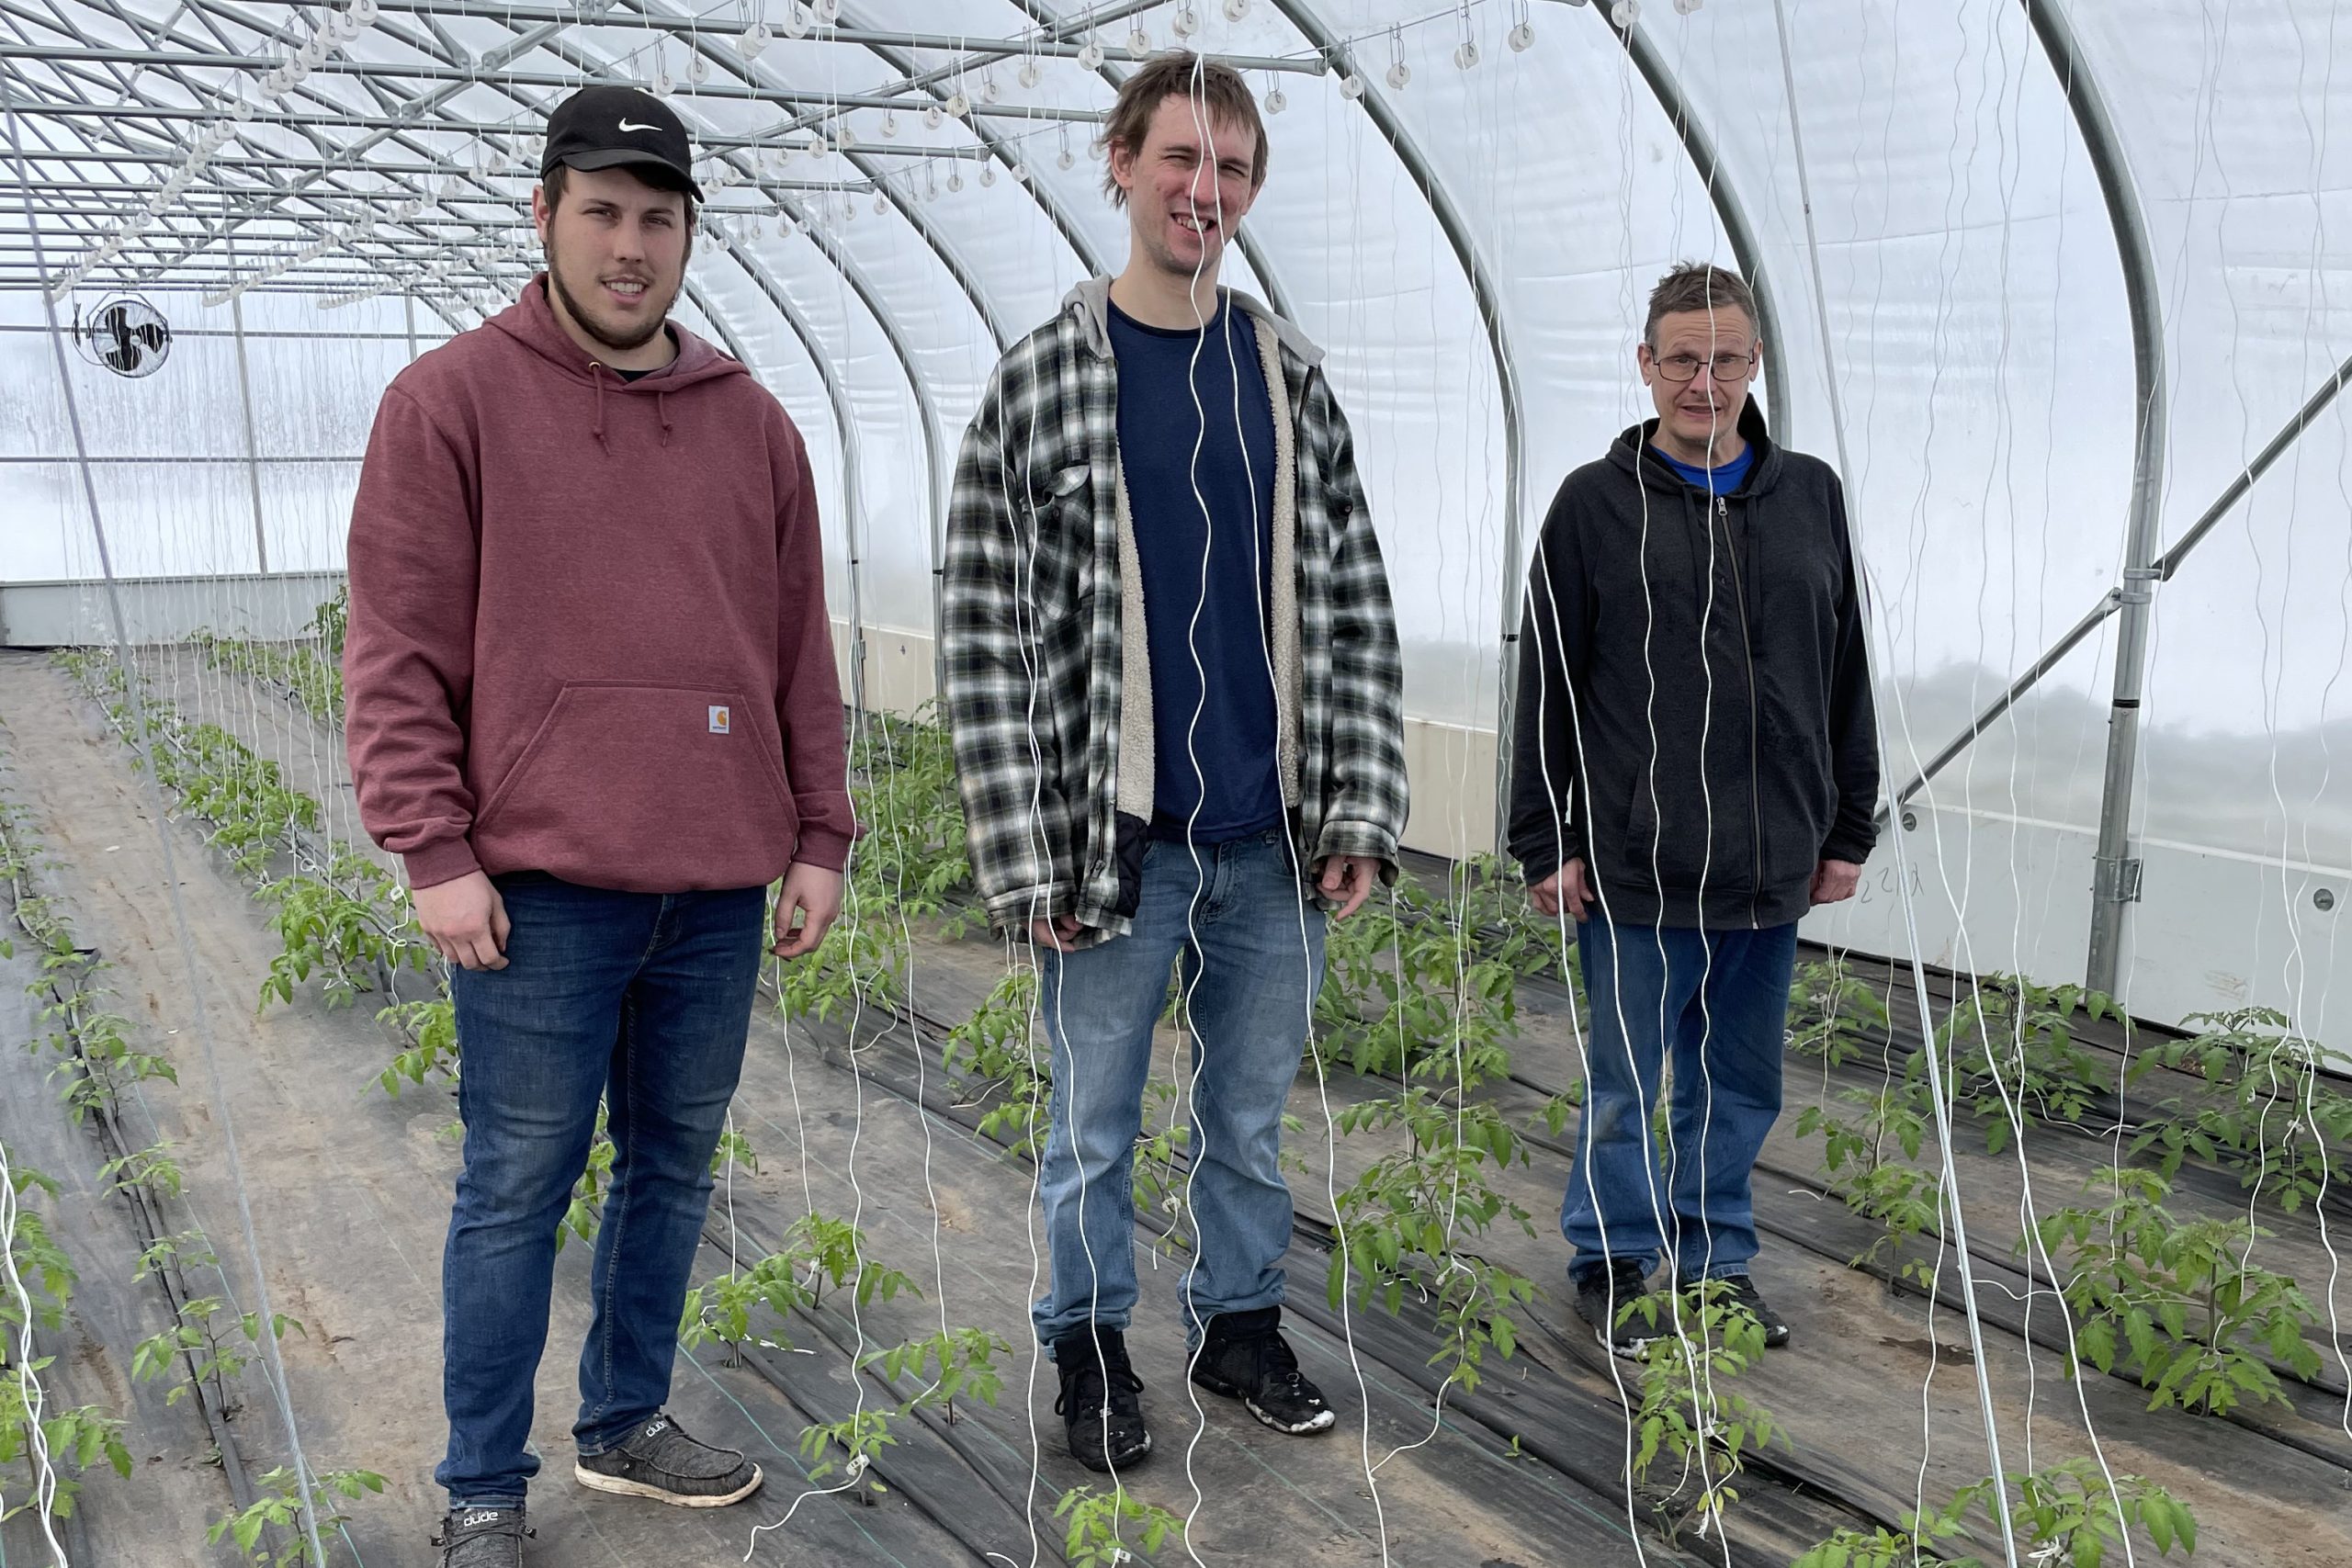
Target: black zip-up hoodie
x=1694 y=714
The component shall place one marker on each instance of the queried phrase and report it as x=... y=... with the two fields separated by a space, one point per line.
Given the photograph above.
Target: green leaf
x=2157 y=1517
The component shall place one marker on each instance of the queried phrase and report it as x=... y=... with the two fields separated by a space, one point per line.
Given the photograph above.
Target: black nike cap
x=620 y=128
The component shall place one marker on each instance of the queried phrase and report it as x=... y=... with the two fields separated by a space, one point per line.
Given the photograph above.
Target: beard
x=612 y=335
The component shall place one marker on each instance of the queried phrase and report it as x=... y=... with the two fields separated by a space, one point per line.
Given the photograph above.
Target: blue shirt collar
x=1722 y=479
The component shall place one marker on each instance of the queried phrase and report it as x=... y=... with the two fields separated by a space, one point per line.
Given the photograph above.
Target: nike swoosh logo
x=626 y=126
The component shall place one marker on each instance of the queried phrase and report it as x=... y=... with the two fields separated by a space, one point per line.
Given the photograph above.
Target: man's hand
x=465 y=920
x=815 y=895
x=1564 y=889
x=1834 y=881
x=1348 y=880
x=1059 y=934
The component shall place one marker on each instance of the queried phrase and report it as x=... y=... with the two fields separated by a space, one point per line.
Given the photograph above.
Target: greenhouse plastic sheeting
x=1960 y=296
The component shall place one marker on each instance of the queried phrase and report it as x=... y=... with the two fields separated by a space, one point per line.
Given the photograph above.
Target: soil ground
x=349 y=1190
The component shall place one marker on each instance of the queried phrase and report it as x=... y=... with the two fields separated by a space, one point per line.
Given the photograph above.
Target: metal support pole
x=2168 y=563
x=253 y=445
x=2018 y=688
x=2167 y=567
x=2115 y=880
x=408 y=310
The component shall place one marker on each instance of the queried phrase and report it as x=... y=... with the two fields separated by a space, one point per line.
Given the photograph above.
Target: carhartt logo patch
x=721 y=721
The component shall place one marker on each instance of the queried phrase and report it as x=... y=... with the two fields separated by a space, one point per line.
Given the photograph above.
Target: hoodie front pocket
x=647 y=777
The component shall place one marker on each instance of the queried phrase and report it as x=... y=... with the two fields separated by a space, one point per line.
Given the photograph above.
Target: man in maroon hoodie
x=593 y=706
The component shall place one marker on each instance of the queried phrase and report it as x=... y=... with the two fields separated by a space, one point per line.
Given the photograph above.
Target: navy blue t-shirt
x=1726 y=475
x=1202 y=486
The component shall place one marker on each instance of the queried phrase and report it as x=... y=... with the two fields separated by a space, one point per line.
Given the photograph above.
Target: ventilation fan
x=125 y=335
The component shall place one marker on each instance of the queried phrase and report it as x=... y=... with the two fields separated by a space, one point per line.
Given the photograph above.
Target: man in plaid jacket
x=1174 y=690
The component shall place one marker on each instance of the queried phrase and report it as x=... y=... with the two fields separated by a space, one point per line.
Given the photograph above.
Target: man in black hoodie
x=1695 y=766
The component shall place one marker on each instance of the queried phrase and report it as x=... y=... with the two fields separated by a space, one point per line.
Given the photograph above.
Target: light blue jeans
x=1717 y=1002
x=1250 y=942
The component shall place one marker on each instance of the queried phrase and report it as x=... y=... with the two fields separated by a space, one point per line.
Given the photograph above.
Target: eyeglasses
x=1726 y=368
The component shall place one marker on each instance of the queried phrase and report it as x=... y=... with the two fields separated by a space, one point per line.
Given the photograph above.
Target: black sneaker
x=1243 y=1356
x=1603 y=1297
x=1739 y=1292
x=659 y=1460
x=482 y=1537
x=1098 y=1406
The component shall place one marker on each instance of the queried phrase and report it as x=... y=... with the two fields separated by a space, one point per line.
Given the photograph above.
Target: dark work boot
x=1739 y=1293
x=1243 y=1356
x=1602 y=1296
x=1099 y=1407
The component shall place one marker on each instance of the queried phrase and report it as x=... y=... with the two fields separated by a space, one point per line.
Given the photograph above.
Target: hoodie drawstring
x=660 y=407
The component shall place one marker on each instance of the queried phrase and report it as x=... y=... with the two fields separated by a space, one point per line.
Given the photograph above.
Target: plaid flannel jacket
x=1037 y=647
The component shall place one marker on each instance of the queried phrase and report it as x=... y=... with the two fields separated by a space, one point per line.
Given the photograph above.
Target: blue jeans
x=1719 y=1002
x=645 y=1001
x=1250 y=941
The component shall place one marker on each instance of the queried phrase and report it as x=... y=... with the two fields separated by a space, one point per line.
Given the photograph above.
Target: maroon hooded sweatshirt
x=588 y=632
